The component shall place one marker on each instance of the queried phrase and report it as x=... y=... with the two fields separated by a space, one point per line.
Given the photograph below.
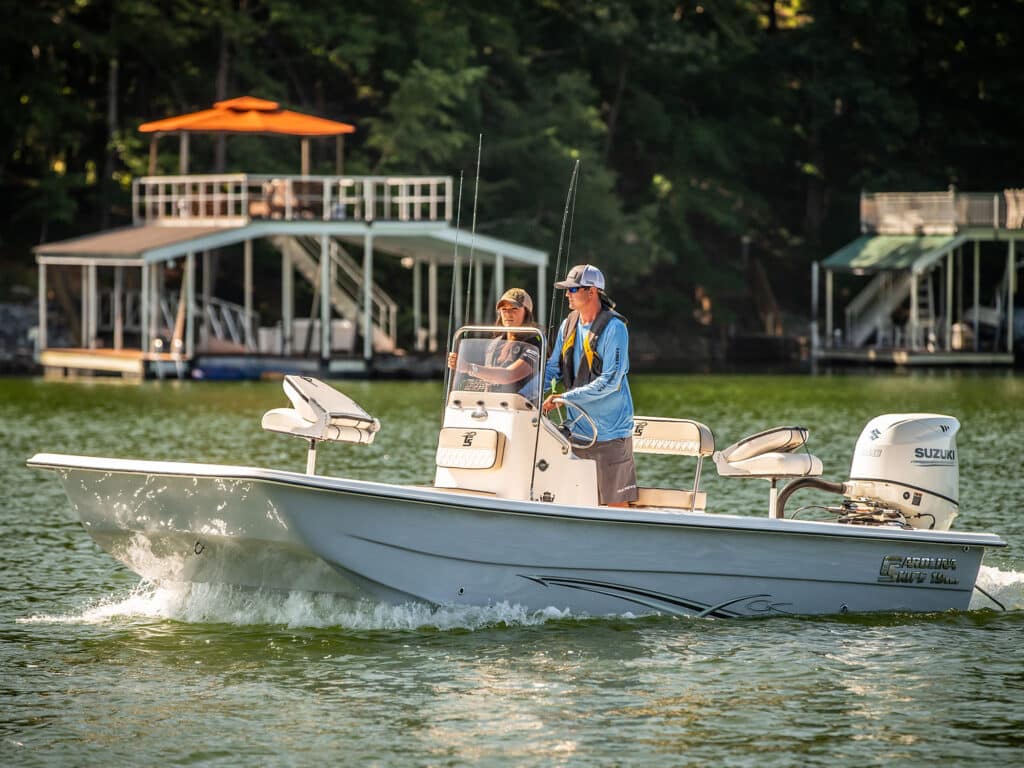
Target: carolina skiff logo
x=638 y=428
x=901 y=569
x=467 y=439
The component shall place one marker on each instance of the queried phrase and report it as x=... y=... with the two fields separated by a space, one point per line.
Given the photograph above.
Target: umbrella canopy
x=246 y=114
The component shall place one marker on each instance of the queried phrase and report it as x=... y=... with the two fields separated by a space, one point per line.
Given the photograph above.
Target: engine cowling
x=908 y=461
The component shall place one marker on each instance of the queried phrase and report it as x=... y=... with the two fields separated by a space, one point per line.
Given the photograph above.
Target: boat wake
x=1005 y=586
x=211 y=604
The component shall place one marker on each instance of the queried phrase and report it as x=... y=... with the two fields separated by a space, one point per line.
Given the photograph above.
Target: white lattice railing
x=233 y=199
x=917 y=213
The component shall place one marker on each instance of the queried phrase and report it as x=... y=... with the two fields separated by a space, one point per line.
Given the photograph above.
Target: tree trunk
x=814 y=202
x=613 y=113
x=223 y=64
x=113 y=70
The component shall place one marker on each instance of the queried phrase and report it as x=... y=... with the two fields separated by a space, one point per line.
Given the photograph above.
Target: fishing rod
x=451 y=297
x=570 y=198
x=472 y=236
x=457 y=266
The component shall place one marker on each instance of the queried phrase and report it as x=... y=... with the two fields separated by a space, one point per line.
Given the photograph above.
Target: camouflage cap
x=517 y=297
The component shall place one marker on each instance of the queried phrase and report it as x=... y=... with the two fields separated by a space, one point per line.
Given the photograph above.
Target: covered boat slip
x=146 y=307
x=942 y=272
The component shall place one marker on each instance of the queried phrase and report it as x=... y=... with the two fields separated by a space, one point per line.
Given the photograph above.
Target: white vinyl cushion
x=770 y=465
x=461 y=448
x=676 y=437
x=320 y=413
x=775 y=440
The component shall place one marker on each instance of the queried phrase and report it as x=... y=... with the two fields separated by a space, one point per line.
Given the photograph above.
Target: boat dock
x=148 y=299
x=147 y=302
x=932 y=280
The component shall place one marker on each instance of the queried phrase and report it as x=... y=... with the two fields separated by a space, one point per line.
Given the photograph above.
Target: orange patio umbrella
x=247 y=114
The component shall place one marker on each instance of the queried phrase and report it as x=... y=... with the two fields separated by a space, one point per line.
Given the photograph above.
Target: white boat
x=513 y=516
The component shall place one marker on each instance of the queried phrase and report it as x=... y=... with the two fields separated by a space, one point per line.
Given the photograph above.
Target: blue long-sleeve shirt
x=607 y=398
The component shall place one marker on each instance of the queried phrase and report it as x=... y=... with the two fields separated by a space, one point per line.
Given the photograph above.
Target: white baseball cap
x=583 y=276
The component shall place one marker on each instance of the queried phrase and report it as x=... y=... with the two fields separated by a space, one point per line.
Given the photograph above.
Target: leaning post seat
x=673 y=437
x=320 y=412
x=770 y=455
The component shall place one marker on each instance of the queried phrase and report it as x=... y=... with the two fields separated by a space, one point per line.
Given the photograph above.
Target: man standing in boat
x=591 y=357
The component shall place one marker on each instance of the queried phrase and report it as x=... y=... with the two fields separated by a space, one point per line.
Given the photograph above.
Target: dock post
x=183 y=153
x=368 y=295
x=144 y=306
x=118 y=311
x=204 y=333
x=499 y=275
x=417 y=302
x=84 y=325
x=189 y=286
x=247 y=278
x=432 y=306
x=325 y=299
x=1011 y=288
x=913 y=310
x=948 y=330
x=815 y=268
x=829 y=341
x=41 y=334
x=287 y=297
x=94 y=301
x=977 y=290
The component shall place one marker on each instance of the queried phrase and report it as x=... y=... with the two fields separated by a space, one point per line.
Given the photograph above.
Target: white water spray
x=208 y=603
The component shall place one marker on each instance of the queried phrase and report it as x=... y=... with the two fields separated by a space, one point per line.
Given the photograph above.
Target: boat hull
x=277 y=530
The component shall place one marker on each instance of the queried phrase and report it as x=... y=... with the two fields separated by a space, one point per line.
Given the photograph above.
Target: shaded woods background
x=698 y=126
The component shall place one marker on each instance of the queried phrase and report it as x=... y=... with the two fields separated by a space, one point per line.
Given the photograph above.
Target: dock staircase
x=869 y=313
x=926 y=319
x=227 y=322
x=346 y=286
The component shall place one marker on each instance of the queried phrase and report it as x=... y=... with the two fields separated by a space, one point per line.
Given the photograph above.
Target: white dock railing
x=235 y=199
x=937 y=213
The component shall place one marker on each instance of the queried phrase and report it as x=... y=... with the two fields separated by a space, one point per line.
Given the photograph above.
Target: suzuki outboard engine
x=904 y=472
x=907 y=461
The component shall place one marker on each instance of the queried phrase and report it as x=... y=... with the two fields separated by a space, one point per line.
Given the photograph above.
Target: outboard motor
x=904 y=472
x=907 y=461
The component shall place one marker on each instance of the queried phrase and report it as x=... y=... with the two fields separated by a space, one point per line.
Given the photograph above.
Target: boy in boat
x=591 y=357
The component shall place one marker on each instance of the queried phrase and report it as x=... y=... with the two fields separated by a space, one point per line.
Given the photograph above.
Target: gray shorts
x=616 y=472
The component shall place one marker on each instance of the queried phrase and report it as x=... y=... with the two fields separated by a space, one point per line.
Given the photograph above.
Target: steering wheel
x=567 y=423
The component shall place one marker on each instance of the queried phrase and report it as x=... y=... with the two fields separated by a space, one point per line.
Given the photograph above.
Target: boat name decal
x=903 y=569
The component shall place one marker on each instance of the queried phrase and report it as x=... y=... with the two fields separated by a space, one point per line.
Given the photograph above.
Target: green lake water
x=97 y=668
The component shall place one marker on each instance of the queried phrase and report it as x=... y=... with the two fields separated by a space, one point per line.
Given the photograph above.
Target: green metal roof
x=880 y=253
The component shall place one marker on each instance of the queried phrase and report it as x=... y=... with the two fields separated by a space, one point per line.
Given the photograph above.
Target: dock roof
x=135 y=246
x=869 y=254
x=247 y=114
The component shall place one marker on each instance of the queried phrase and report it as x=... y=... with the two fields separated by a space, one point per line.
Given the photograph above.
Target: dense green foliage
x=697 y=126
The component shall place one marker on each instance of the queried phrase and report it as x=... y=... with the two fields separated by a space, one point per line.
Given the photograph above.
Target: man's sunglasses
x=576 y=288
